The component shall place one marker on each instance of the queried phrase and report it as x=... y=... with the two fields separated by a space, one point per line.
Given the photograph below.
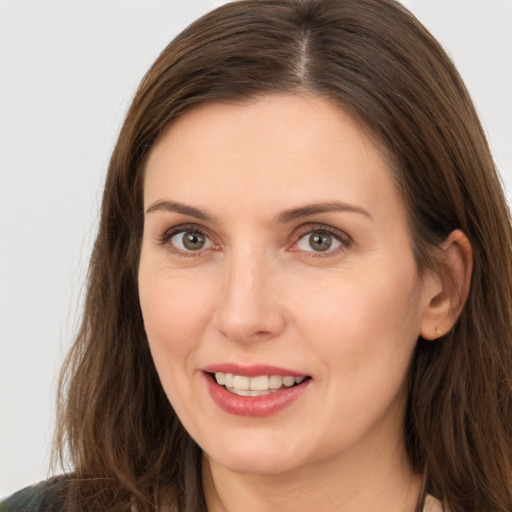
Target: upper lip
x=253 y=370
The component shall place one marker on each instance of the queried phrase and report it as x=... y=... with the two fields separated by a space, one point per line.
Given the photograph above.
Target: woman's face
x=275 y=245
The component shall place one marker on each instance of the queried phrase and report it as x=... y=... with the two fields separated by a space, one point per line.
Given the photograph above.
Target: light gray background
x=68 y=69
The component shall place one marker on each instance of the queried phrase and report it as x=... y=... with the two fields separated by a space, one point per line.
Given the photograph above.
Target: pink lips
x=256 y=406
x=250 y=371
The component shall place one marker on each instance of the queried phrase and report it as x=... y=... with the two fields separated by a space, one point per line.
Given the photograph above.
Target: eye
x=187 y=240
x=317 y=241
x=322 y=240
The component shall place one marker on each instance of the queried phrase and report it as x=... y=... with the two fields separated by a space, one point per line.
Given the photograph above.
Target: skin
x=258 y=293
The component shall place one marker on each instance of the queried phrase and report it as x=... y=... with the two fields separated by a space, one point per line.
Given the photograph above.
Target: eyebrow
x=312 y=209
x=172 y=206
x=282 y=218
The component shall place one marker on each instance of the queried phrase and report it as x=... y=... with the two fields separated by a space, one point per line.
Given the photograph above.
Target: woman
x=344 y=347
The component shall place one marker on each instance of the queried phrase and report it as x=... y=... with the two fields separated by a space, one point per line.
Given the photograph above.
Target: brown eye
x=190 y=240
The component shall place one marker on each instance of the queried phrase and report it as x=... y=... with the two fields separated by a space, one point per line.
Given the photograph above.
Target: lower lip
x=255 y=406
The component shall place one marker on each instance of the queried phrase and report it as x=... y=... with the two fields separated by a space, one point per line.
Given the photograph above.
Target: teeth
x=247 y=392
x=258 y=383
x=241 y=392
x=228 y=379
x=275 y=382
x=288 y=381
x=241 y=382
x=255 y=386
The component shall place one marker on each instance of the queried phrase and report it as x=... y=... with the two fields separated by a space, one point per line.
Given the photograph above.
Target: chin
x=259 y=456
x=256 y=465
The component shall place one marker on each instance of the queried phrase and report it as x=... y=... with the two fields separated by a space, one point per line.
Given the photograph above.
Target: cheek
x=371 y=322
x=174 y=314
x=363 y=335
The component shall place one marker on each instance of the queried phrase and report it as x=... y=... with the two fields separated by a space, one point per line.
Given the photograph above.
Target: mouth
x=259 y=385
x=255 y=390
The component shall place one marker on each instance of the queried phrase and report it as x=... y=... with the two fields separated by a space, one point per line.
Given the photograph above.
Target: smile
x=256 y=386
x=262 y=391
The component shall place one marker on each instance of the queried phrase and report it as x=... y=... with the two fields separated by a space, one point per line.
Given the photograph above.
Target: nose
x=249 y=308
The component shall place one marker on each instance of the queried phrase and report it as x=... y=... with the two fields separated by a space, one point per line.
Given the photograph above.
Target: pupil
x=193 y=241
x=320 y=241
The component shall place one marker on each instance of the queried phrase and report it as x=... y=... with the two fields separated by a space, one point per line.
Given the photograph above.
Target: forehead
x=277 y=149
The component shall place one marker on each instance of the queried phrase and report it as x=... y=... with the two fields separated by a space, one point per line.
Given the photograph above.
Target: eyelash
x=344 y=240
x=340 y=236
x=167 y=236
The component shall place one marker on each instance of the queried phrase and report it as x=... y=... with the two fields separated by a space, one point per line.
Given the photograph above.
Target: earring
x=439 y=331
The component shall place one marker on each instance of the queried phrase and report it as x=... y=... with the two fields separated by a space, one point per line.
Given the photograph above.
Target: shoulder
x=28 y=499
x=41 y=497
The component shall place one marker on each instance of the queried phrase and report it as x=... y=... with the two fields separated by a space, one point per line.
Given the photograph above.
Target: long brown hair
x=125 y=443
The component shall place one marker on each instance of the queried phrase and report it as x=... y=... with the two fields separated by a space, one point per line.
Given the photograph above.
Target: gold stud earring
x=439 y=331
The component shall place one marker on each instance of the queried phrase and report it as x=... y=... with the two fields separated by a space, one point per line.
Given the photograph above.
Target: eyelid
x=303 y=230
x=166 y=237
x=306 y=229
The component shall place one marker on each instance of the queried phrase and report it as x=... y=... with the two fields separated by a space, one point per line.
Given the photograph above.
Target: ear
x=447 y=290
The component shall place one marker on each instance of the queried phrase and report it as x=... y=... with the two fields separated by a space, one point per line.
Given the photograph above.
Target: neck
x=382 y=481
